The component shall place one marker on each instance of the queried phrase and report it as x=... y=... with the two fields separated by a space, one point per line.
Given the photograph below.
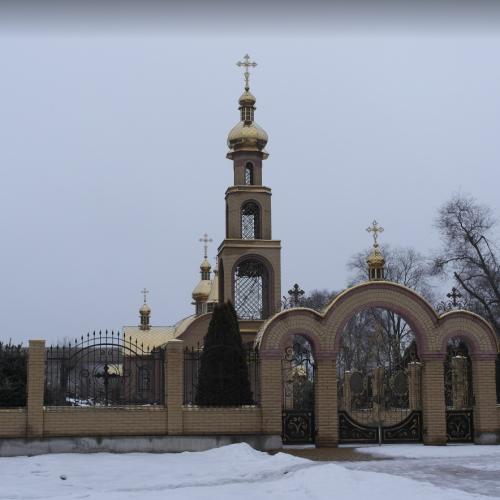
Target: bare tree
x=318 y=299
x=470 y=254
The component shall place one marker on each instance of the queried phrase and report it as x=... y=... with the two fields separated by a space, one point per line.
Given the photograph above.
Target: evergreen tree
x=223 y=377
x=13 y=374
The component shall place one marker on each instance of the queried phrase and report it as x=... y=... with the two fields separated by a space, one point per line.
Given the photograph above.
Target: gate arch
x=431 y=333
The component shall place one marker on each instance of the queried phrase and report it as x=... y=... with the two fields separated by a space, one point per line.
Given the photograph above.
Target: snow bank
x=235 y=471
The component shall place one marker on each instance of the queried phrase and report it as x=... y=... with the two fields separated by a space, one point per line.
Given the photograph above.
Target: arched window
x=250 y=221
x=249 y=174
x=251 y=290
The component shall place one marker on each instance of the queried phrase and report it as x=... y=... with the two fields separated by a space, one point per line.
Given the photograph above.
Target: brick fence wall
x=174 y=419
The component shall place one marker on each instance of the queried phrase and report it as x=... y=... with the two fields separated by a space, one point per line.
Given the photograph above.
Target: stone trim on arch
x=272 y=336
x=473 y=329
x=326 y=328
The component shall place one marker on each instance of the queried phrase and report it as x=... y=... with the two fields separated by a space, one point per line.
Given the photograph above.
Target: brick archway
x=431 y=333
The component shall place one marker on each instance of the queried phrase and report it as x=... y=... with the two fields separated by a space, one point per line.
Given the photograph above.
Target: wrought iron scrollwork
x=298 y=427
x=298 y=370
x=459 y=427
x=104 y=370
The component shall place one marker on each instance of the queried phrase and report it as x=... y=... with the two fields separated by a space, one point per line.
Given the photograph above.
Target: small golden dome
x=205 y=265
x=247 y=137
x=375 y=259
x=247 y=99
x=202 y=290
x=145 y=309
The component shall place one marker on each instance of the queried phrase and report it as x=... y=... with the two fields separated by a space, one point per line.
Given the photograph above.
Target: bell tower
x=248 y=258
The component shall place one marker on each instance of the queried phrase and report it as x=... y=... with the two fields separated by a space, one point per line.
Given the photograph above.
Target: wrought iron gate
x=298 y=372
x=104 y=369
x=459 y=395
x=381 y=405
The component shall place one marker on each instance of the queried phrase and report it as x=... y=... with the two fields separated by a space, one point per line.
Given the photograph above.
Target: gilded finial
x=246 y=63
x=205 y=240
x=375 y=229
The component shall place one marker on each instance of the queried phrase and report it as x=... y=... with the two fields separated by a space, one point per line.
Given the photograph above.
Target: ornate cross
x=205 y=240
x=145 y=293
x=106 y=375
x=375 y=229
x=454 y=295
x=246 y=63
x=295 y=294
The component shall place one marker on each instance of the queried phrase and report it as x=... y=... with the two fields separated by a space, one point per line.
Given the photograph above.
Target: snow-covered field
x=238 y=471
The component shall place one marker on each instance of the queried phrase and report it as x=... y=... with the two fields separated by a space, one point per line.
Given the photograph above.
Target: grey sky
x=113 y=155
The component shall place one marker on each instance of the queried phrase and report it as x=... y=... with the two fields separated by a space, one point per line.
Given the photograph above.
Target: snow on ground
x=469 y=468
x=422 y=451
x=235 y=471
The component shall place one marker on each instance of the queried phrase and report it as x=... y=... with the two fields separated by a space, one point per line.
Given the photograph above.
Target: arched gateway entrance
x=418 y=384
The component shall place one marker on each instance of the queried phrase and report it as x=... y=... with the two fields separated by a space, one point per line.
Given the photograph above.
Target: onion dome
x=145 y=309
x=247 y=135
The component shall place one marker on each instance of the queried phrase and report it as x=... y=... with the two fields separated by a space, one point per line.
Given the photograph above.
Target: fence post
x=174 y=385
x=35 y=388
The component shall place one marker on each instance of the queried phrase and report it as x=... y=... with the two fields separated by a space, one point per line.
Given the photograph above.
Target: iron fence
x=192 y=363
x=104 y=369
x=13 y=375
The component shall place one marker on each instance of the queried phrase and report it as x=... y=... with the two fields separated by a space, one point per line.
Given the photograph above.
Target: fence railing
x=104 y=369
x=13 y=375
x=192 y=365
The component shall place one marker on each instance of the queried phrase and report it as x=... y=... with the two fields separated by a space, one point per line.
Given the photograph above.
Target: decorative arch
x=473 y=329
x=431 y=331
x=412 y=307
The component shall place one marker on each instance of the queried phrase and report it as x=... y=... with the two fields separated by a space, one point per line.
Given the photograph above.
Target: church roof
x=154 y=337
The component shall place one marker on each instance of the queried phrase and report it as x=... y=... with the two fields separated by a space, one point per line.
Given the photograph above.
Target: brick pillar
x=271 y=395
x=414 y=377
x=485 y=412
x=326 y=411
x=174 y=385
x=36 y=388
x=433 y=404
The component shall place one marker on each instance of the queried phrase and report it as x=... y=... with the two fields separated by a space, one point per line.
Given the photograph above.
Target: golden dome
x=205 y=265
x=247 y=99
x=202 y=290
x=145 y=309
x=375 y=259
x=247 y=137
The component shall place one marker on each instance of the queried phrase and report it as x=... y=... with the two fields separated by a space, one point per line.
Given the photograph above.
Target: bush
x=13 y=375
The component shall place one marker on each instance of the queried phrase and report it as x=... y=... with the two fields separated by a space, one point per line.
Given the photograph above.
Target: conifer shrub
x=13 y=375
x=223 y=376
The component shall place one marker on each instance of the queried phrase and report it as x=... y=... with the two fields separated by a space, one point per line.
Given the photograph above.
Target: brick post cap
x=36 y=343
x=174 y=344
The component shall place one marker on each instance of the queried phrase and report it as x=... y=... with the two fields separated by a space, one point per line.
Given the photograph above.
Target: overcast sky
x=113 y=129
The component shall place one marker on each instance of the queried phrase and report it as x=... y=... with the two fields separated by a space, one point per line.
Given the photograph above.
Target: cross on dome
x=205 y=240
x=375 y=229
x=246 y=63
x=145 y=293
